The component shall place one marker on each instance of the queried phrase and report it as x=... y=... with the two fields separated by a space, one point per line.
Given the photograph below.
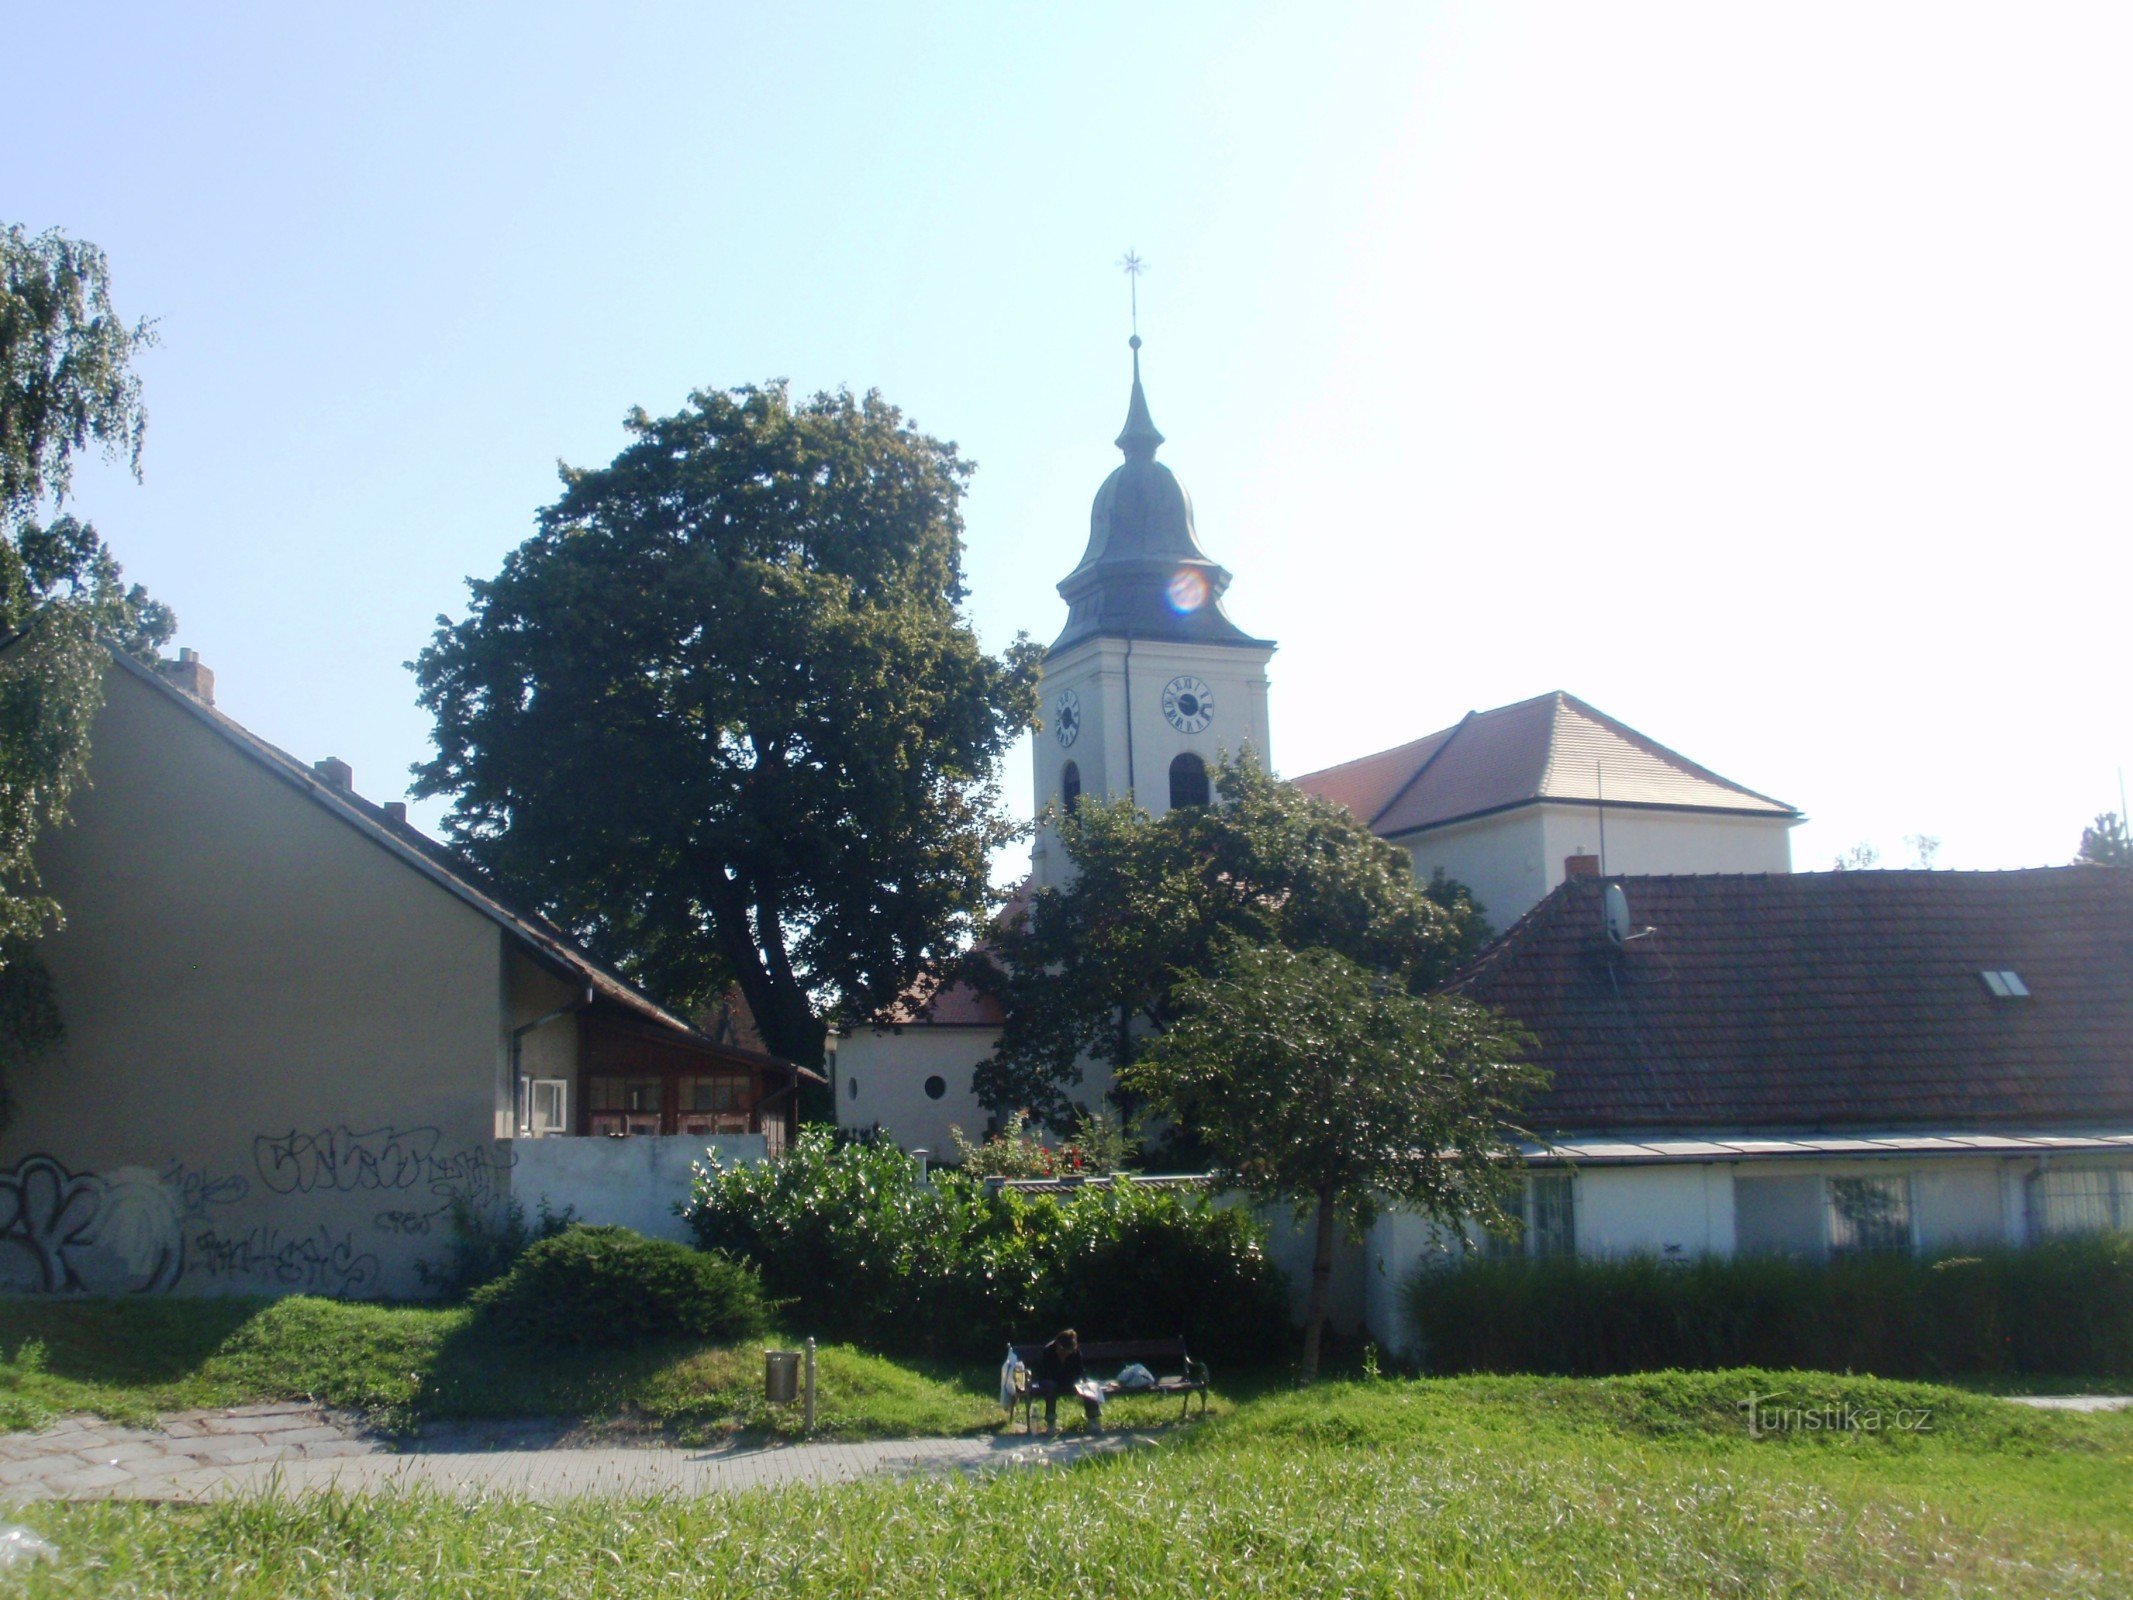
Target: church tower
x=1150 y=680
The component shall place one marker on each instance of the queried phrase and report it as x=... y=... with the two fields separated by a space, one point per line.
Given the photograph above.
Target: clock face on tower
x=1066 y=717
x=1188 y=703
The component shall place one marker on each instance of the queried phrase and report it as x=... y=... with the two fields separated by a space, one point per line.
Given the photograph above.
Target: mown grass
x=1467 y=1487
x=405 y=1365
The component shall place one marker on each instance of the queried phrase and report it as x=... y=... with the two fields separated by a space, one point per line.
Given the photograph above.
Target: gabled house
x=1513 y=800
x=298 y=1030
x=1815 y=1063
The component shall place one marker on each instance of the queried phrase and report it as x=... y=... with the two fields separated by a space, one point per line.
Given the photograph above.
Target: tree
x=2106 y=844
x=1093 y=970
x=1318 y=1082
x=66 y=385
x=720 y=716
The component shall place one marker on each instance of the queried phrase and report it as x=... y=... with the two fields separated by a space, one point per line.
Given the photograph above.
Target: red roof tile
x=1554 y=747
x=1823 y=1000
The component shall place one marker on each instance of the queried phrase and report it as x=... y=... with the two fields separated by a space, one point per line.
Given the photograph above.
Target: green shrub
x=611 y=1287
x=484 y=1242
x=869 y=1250
x=2061 y=1308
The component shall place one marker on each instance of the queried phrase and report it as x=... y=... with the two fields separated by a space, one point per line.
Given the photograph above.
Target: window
x=1869 y=1214
x=851 y=1087
x=2005 y=985
x=712 y=1102
x=1070 y=787
x=551 y=1106
x=1551 y=1215
x=1188 y=781
x=936 y=1086
x=2080 y=1200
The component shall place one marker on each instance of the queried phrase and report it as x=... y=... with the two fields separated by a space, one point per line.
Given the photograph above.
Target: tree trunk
x=1321 y=1275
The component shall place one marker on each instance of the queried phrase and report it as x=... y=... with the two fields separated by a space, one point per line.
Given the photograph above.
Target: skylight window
x=2006 y=985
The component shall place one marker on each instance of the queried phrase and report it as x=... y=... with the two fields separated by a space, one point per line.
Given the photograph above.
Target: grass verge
x=1513 y=1487
x=407 y=1364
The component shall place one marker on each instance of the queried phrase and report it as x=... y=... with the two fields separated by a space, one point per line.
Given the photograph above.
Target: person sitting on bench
x=1060 y=1368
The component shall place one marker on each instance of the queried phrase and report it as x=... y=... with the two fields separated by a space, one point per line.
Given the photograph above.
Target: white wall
x=1513 y=858
x=880 y=1077
x=631 y=1183
x=1665 y=1211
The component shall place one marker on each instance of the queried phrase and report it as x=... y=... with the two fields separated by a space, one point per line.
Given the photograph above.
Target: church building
x=1150 y=681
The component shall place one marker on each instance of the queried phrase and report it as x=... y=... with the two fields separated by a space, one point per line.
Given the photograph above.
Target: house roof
x=959 y=1004
x=1554 y=747
x=1827 y=1000
x=456 y=876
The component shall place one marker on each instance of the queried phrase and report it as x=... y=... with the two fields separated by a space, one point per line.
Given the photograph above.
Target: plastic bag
x=1010 y=1375
x=1133 y=1376
x=20 y=1546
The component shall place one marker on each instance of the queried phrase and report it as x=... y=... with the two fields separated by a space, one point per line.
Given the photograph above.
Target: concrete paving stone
x=37 y=1469
x=259 y=1423
x=271 y=1408
x=87 y=1480
x=334 y=1449
x=318 y=1433
x=183 y=1427
x=237 y=1452
x=105 y=1455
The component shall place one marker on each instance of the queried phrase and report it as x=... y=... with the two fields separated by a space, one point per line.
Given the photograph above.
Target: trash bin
x=781 y=1376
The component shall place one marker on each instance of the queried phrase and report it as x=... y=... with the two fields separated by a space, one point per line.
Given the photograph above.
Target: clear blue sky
x=1762 y=375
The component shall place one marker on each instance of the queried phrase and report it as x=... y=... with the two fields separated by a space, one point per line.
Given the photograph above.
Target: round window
x=851 y=1088
x=936 y=1086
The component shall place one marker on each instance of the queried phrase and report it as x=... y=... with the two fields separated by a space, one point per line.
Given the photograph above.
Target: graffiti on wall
x=117 y=1232
x=319 y=1262
x=401 y=1160
x=132 y=1230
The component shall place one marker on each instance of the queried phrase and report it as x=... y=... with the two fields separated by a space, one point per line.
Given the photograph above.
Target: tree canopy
x=722 y=719
x=1094 y=969
x=66 y=385
x=2106 y=843
x=1317 y=1082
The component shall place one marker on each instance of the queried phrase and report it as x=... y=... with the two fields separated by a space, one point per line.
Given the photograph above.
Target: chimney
x=335 y=772
x=191 y=674
x=396 y=813
x=1581 y=866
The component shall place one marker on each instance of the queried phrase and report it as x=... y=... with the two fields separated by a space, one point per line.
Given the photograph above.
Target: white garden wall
x=633 y=1183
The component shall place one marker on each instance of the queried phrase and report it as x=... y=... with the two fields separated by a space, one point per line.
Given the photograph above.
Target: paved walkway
x=297 y=1449
x=2075 y=1402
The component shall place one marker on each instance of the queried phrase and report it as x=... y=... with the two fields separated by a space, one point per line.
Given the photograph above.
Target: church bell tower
x=1150 y=680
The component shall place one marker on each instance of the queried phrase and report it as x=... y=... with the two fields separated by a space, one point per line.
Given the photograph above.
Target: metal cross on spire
x=1133 y=266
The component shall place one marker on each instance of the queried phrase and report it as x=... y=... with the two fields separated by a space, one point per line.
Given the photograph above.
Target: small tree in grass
x=1316 y=1082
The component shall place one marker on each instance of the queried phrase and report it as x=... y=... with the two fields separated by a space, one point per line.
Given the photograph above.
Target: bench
x=1176 y=1373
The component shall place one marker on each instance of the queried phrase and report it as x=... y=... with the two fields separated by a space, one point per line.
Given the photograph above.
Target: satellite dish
x=1616 y=912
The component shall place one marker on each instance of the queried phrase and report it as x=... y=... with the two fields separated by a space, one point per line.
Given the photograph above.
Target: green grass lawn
x=1644 y=1486
x=128 y=1359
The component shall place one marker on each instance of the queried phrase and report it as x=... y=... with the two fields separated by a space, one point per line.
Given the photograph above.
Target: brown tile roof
x=1554 y=747
x=960 y=1004
x=1828 y=1000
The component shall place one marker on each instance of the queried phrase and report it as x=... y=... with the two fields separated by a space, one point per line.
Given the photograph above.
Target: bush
x=2061 y=1308
x=485 y=1241
x=610 y=1287
x=871 y=1251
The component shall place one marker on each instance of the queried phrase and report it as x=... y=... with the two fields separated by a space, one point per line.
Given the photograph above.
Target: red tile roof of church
x=1826 y=1000
x=1553 y=747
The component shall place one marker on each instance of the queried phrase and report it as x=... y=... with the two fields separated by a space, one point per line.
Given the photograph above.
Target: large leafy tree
x=722 y=719
x=1094 y=971
x=66 y=385
x=1321 y=1083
